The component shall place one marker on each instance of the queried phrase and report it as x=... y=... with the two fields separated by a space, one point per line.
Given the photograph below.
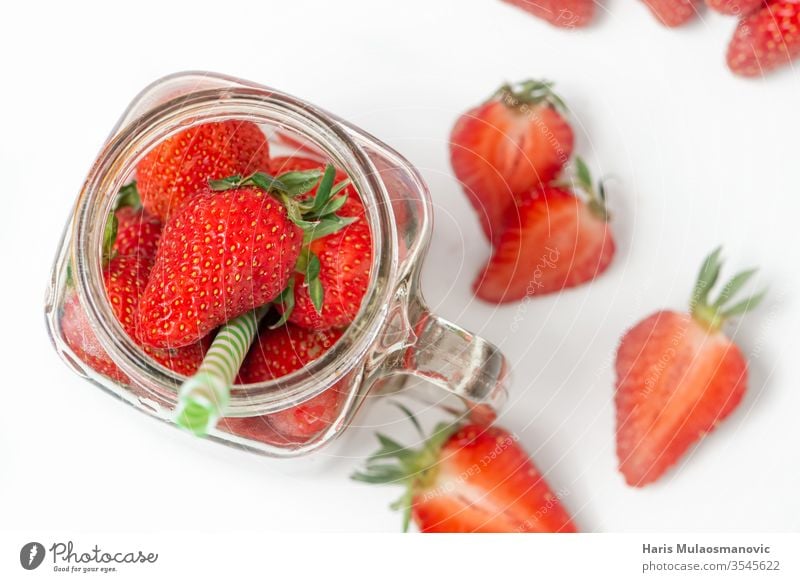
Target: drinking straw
x=203 y=398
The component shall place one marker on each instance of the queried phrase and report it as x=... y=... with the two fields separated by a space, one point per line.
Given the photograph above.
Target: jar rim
x=263 y=105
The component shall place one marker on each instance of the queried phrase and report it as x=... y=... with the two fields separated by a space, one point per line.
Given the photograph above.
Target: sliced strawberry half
x=468 y=478
x=672 y=13
x=507 y=146
x=561 y=13
x=766 y=39
x=734 y=7
x=557 y=240
x=678 y=377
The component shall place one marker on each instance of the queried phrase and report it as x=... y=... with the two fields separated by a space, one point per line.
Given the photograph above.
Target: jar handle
x=458 y=363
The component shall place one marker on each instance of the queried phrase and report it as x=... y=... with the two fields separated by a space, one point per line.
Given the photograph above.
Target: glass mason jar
x=393 y=338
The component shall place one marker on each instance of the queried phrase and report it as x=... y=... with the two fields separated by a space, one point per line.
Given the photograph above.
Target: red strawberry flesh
x=677 y=380
x=766 y=39
x=507 y=146
x=555 y=242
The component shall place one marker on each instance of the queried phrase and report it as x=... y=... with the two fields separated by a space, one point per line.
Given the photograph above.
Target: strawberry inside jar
x=213 y=228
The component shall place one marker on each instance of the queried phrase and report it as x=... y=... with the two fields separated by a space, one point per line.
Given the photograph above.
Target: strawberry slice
x=556 y=241
x=507 y=146
x=672 y=13
x=468 y=478
x=734 y=7
x=766 y=39
x=678 y=377
x=561 y=13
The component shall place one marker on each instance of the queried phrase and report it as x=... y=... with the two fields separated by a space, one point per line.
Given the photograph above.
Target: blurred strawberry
x=766 y=39
x=507 y=146
x=734 y=7
x=554 y=240
x=678 y=377
x=672 y=13
x=561 y=13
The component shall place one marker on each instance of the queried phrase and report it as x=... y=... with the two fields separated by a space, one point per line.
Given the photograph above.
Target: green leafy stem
x=714 y=313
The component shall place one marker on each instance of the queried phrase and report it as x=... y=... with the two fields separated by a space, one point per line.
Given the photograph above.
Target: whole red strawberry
x=672 y=12
x=554 y=240
x=233 y=247
x=734 y=7
x=766 y=39
x=279 y=352
x=561 y=13
x=344 y=259
x=221 y=255
x=507 y=146
x=468 y=478
x=678 y=377
x=182 y=164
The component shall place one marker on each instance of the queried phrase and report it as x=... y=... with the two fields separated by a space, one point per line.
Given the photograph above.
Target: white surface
x=700 y=158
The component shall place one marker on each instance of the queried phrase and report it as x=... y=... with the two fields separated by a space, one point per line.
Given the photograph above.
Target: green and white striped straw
x=203 y=398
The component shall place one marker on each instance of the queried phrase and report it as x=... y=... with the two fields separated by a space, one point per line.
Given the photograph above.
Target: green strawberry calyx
x=315 y=215
x=530 y=93
x=713 y=314
x=415 y=469
x=596 y=196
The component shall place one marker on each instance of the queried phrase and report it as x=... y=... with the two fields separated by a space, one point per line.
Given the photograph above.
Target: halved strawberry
x=734 y=7
x=181 y=165
x=557 y=240
x=561 y=13
x=766 y=39
x=672 y=13
x=678 y=377
x=468 y=478
x=80 y=337
x=507 y=146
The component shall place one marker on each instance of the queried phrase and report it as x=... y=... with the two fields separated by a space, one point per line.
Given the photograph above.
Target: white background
x=699 y=158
